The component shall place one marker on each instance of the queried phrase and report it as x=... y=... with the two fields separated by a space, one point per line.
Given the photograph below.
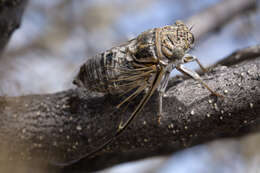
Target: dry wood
x=61 y=127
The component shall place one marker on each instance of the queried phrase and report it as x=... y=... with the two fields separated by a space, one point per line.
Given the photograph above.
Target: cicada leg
x=196 y=76
x=161 y=90
x=190 y=58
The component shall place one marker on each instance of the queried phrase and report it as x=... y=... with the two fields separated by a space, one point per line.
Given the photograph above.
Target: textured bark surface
x=10 y=19
x=239 y=56
x=64 y=126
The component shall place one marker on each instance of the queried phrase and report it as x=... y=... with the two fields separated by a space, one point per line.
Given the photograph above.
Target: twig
x=11 y=14
x=215 y=17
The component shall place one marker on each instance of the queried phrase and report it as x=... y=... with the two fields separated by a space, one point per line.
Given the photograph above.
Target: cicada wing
x=146 y=97
x=123 y=126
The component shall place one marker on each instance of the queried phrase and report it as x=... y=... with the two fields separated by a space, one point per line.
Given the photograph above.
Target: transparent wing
x=155 y=83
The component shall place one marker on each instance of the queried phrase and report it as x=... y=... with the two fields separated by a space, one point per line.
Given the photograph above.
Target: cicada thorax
x=145 y=49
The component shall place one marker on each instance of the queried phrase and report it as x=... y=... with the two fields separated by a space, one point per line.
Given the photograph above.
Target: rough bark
x=239 y=56
x=10 y=19
x=61 y=127
x=64 y=126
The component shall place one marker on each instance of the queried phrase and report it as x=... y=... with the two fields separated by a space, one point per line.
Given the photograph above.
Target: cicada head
x=175 y=40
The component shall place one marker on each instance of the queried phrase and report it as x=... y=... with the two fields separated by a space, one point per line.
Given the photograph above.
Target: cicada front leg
x=161 y=90
x=190 y=58
x=196 y=76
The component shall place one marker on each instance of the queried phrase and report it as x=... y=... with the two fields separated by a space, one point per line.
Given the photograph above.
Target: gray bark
x=11 y=12
x=61 y=127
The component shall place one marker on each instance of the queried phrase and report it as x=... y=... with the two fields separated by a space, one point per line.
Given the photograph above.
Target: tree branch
x=64 y=126
x=61 y=127
x=239 y=56
x=213 y=18
x=10 y=18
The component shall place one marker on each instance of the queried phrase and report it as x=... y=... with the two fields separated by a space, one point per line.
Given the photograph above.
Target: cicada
x=141 y=65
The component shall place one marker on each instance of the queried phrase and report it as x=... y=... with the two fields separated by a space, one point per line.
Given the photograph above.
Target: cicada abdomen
x=119 y=69
x=100 y=72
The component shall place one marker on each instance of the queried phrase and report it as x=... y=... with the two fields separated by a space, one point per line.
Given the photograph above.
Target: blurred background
x=57 y=36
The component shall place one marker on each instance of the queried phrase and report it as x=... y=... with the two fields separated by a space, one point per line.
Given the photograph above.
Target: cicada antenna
x=191 y=27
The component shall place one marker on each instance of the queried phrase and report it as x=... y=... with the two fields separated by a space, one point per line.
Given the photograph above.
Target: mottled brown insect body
x=142 y=65
x=109 y=72
x=98 y=73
